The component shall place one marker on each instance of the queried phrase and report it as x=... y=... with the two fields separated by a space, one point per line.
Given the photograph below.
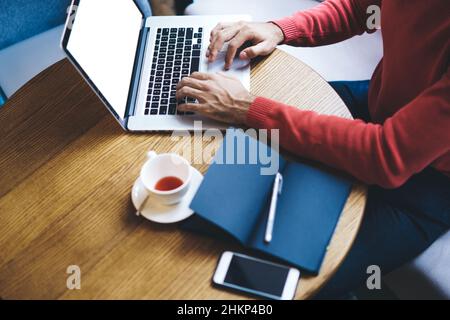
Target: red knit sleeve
x=386 y=154
x=329 y=22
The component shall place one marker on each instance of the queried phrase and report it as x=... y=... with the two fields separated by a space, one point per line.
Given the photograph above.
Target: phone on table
x=256 y=276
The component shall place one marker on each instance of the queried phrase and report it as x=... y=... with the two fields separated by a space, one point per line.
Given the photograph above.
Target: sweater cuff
x=258 y=115
x=287 y=25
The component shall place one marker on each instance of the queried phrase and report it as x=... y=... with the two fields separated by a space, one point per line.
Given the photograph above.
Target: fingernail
x=243 y=55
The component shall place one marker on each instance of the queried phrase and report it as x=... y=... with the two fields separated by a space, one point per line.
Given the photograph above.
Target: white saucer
x=166 y=214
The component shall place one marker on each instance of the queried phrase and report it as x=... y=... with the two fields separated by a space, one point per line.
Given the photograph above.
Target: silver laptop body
x=137 y=82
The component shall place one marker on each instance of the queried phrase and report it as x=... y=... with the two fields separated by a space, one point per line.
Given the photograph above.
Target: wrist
x=244 y=105
x=278 y=33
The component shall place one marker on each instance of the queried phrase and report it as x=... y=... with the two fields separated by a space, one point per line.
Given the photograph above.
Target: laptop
x=134 y=63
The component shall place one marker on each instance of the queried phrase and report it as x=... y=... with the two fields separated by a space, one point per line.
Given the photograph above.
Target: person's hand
x=263 y=36
x=220 y=97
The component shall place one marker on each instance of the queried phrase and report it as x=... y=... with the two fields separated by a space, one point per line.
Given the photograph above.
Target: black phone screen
x=256 y=275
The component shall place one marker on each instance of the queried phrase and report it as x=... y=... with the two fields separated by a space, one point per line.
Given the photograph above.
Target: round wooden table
x=66 y=171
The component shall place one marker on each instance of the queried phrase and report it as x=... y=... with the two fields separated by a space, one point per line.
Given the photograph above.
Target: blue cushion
x=22 y=19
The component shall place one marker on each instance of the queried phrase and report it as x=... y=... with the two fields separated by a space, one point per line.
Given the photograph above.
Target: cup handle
x=151 y=155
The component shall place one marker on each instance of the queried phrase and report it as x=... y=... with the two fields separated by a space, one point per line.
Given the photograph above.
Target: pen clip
x=280 y=182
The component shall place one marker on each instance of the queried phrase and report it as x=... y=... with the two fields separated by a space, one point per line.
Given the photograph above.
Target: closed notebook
x=235 y=198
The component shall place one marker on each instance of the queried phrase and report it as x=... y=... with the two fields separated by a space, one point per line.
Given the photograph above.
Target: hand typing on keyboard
x=264 y=37
x=220 y=97
x=218 y=65
x=176 y=55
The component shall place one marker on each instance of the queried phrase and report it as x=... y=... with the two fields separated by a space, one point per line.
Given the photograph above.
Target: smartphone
x=256 y=276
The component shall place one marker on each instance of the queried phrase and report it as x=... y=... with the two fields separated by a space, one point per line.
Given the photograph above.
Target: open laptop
x=134 y=63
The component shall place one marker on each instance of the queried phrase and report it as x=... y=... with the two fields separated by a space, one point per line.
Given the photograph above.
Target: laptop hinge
x=137 y=71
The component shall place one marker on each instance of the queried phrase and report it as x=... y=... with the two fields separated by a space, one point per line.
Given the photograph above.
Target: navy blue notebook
x=235 y=193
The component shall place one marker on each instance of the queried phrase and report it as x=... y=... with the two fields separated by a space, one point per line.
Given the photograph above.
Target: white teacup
x=159 y=166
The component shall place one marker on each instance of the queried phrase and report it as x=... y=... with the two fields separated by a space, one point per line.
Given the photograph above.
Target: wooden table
x=66 y=170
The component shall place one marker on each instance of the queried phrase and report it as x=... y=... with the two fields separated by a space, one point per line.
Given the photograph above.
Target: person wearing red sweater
x=399 y=142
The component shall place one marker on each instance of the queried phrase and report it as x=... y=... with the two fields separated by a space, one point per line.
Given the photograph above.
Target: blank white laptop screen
x=103 y=41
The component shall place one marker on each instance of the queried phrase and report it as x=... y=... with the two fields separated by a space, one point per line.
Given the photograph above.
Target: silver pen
x=277 y=185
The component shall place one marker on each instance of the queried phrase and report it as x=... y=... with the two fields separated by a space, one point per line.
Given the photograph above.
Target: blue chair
x=26 y=45
x=22 y=19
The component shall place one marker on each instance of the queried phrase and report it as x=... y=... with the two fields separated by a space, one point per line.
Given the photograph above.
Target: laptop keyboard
x=177 y=55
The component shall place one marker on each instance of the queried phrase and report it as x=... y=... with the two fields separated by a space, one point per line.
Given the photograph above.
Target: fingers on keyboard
x=176 y=55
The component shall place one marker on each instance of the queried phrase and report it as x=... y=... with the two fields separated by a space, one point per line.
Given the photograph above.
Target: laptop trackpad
x=219 y=64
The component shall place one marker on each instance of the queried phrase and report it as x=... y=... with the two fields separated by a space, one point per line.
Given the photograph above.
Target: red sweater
x=409 y=98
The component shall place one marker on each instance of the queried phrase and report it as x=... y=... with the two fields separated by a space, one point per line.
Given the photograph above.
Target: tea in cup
x=166 y=177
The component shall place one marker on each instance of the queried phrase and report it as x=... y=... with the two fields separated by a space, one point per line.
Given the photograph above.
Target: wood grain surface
x=66 y=171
